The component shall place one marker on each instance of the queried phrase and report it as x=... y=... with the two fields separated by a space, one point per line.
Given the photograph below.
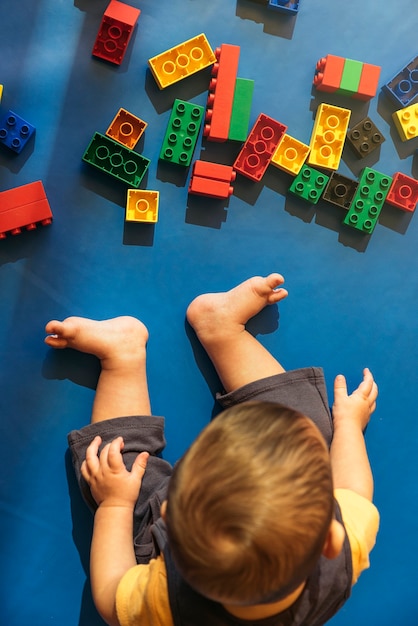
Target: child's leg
x=219 y=321
x=120 y=344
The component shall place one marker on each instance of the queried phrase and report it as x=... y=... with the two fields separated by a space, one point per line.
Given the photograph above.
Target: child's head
x=250 y=504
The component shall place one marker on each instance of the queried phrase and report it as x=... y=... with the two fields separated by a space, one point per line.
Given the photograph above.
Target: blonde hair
x=250 y=504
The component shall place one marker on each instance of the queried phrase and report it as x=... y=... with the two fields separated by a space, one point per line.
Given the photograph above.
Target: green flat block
x=368 y=200
x=182 y=132
x=241 y=109
x=350 y=78
x=309 y=184
x=115 y=159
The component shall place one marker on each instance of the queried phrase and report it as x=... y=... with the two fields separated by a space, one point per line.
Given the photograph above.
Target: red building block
x=115 y=31
x=221 y=93
x=23 y=207
x=328 y=73
x=403 y=192
x=369 y=82
x=212 y=179
x=256 y=153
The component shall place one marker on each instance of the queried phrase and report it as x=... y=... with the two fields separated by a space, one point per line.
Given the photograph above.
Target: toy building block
x=309 y=184
x=212 y=179
x=284 y=6
x=177 y=63
x=15 y=132
x=340 y=190
x=328 y=136
x=115 y=159
x=403 y=192
x=328 y=73
x=1 y=92
x=364 y=137
x=368 y=200
x=406 y=121
x=241 y=109
x=221 y=93
x=182 y=132
x=351 y=78
x=115 y=32
x=24 y=207
x=369 y=81
x=255 y=155
x=403 y=88
x=126 y=129
x=142 y=206
x=290 y=155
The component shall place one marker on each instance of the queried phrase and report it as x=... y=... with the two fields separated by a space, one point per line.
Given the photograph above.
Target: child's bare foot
x=118 y=341
x=218 y=315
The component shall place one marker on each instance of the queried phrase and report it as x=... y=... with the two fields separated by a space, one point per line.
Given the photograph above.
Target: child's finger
x=140 y=464
x=340 y=386
x=114 y=456
x=92 y=458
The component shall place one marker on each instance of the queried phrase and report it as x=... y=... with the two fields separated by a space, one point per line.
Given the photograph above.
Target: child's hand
x=110 y=482
x=358 y=406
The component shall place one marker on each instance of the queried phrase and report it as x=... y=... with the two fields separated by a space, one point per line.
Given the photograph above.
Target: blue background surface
x=352 y=299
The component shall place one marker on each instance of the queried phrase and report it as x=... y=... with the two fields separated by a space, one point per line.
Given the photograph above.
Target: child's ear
x=163 y=509
x=334 y=541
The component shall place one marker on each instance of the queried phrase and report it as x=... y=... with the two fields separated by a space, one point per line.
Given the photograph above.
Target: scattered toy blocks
x=351 y=78
x=115 y=31
x=241 y=109
x=221 y=93
x=406 y=122
x=15 y=132
x=257 y=152
x=126 y=129
x=290 y=155
x=340 y=190
x=142 y=206
x=24 y=207
x=212 y=179
x=113 y=158
x=284 y=6
x=364 y=137
x=182 y=132
x=309 y=184
x=403 y=192
x=177 y=63
x=368 y=200
x=328 y=136
x=403 y=88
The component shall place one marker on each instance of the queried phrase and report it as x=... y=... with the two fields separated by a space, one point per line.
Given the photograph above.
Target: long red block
x=403 y=192
x=221 y=93
x=115 y=31
x=215 y=171
x=369 y=82
x=24 y=207
x=212 y=179
x=328 y=73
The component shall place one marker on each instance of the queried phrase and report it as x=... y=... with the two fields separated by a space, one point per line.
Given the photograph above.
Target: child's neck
x=260 y=611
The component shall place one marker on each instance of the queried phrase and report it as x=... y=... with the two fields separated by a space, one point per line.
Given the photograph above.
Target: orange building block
x=23 y=207
x=369 y=82
x=221 y=93
x=328 y=73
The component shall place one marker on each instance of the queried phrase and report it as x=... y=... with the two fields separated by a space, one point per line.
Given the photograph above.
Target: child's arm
x=115 y=491
x=351 y=413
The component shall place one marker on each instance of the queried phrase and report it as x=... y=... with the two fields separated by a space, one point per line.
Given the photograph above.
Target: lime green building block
x=368 y=200
x=241 y=109
x=182 y=132
x=350 y=78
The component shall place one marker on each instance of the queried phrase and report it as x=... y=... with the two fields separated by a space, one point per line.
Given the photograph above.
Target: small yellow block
x=1 y=91
x=406 y=121
x=290 y=155
x=328 y=136
x=142 y=206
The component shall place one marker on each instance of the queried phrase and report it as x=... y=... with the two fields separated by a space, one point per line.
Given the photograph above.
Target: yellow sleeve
x=361 y=521
x=142 y=596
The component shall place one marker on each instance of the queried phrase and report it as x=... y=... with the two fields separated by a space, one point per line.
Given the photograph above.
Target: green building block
x=309 y=184
x=350 y=78
x=241 y=109
x=182 y=132
x=115 y=159
x=368 y=200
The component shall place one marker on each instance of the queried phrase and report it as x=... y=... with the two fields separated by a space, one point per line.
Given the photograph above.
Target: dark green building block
x=182 y=132
x=115 y=159
x=241 y=109
x=368 y=201
x=350 y=78
x=309 y=184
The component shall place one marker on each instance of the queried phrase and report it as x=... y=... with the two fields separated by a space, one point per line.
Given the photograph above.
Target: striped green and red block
x=356 y=79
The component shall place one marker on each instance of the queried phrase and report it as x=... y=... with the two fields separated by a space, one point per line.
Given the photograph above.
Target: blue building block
x=15 y=132
x=284 y=6
x=403 y=88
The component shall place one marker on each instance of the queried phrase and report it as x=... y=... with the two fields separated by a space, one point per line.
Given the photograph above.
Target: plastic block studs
x=114 y=159
x=241 y=109
x=406 y=121
x=290 y=155
x=284 y=6
x=368 y=200
x=23 y=207
x=309 y=184
x=403 y=88
x=126 y=129
x=364 y=137
x=177 y=63
x=182 y=132
x=115 y=32
x=256 y=153
x=221 y=93
x=212 y=179
x=351 y=78
x=340 y=190
x=328 y=136
x=15 y=132
x=403 y=192
x=142 y=206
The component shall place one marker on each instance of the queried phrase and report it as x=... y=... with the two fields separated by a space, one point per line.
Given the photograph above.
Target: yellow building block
x=181 y=61
x=406 y=121
x=142 y=206
x=328 y=136
x=1 y=91
x=290 y=155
